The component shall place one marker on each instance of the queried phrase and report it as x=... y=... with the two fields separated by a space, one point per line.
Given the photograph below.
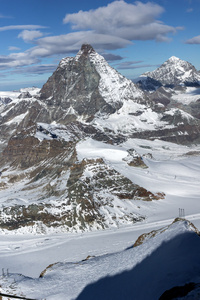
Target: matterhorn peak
x=87 y=49
x=89 y=85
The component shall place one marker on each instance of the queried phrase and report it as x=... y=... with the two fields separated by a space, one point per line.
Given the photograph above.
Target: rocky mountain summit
x=86 y=85
x=172 y=73
x=46 y=182
x=175 y=84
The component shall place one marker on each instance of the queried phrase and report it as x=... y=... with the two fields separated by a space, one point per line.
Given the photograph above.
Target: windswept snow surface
x=113 y=86
x=169 y=259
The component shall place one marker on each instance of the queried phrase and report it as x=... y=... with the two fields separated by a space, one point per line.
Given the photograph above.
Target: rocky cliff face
x=74 y=87
x=86 y=85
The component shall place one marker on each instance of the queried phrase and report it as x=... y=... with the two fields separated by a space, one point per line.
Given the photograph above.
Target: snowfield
x=168 y=259
x=174 y=254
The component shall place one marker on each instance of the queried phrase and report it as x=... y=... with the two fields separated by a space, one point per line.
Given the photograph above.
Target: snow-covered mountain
x=46 y=181
x=171 y=73
x=86 y=85
x=175 y=84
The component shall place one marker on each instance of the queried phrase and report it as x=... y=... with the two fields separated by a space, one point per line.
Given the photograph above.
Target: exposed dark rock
x=24 y=95
x=5 y=100
x=25 y=150
x=149 y=84
x=134 y=159
x=178 y=291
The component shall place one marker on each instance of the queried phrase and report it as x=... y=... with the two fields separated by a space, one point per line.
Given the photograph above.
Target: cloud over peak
x=110 y=27
x=136 y=21
x=114 y=15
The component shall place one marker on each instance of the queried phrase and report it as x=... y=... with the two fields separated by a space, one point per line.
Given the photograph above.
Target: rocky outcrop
x=178 y=292
x=93 y=196
x=25 y=150
x=24 y=95
x=133 y=159
x=146 y=236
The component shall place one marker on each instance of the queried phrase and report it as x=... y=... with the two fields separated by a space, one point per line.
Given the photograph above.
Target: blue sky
x=134 y=36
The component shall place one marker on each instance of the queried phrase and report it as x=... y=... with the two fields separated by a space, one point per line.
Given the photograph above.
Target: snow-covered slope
x=175 y=72
x=169 y=259
x=113 y=86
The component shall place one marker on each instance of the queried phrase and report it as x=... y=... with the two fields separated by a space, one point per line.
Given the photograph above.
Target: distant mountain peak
x=174 y=72
x=174 y=59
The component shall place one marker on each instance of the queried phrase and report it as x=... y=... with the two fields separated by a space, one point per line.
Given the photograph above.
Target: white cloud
x=13 y=48
x=30 y=35
x=15 y=60
x=189 y=10
x=194 y=40
x=71 y=43
x=136 y=21
x=114 y=15
x=63 y=44
x=110 y=27
x=21 y=27
x=133 y=65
